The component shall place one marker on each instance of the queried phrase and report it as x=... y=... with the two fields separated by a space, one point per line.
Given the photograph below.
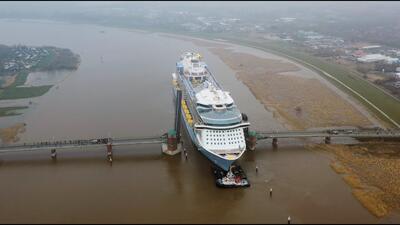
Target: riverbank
x=301 y=100
x=372 y=170
x=11 y=111
x=386 y=107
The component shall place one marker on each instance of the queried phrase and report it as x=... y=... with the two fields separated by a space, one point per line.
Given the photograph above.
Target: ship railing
x=213 y=80
x=191 y=93
x=188 y=88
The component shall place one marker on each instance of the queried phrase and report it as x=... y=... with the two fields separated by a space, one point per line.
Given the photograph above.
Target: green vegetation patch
x=58 y=59
x=24 y=92
x=10 y=111
x=20 y=79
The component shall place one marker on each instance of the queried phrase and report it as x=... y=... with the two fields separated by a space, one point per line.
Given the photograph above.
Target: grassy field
x=383 y=101
x=24 y=92
x=20 y=79
x=10 y=111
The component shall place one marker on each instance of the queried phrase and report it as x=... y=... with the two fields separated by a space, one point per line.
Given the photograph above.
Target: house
x=371 y=47
x=371 y=58
x=358 y=53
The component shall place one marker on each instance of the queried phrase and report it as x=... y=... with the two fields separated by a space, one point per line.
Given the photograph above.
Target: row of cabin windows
x=229 y=135
x=198 y=74
x=224 y=143
x=220 y=139
x=224 y=135
x=220 y=131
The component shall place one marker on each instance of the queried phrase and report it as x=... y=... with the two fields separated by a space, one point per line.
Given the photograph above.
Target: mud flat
x=10 y=134
x=372 y=170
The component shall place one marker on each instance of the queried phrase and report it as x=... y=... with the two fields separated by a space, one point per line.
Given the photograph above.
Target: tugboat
x=235 y=177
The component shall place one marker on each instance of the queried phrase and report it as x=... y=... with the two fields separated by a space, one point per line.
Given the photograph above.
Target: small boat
x=235 y=177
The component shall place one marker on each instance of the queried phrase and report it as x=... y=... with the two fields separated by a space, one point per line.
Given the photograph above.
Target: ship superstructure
x=212 y=119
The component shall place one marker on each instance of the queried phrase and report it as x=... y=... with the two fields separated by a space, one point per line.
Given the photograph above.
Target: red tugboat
x=235 y=177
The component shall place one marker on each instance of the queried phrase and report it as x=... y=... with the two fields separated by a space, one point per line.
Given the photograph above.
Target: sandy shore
x=373 y=172
x=10 y=134
x=8 y=80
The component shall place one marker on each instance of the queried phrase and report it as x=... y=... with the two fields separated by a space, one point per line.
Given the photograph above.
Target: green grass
x=45 y=61
x=24 y=92
x=20 y=79
x=10 y=111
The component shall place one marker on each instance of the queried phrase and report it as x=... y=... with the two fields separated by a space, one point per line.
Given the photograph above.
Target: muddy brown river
x=123 y=89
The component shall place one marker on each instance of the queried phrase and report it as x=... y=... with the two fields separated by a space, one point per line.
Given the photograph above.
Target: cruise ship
x=210 y=115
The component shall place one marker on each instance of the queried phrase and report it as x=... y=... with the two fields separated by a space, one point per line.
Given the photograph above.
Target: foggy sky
x=355 y=9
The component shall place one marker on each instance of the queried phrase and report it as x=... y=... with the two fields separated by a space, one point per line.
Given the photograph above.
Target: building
x=371 y=58
x=377 y=57
x=286 y=19
x=390 y=60
x=371 y=47
x=358 y=53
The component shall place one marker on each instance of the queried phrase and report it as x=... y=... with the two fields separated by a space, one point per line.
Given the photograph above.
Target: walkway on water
x=329 y=133
x=108 y=142
x=74 y=144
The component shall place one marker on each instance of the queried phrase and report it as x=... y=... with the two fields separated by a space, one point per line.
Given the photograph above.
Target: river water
x=123 y=89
